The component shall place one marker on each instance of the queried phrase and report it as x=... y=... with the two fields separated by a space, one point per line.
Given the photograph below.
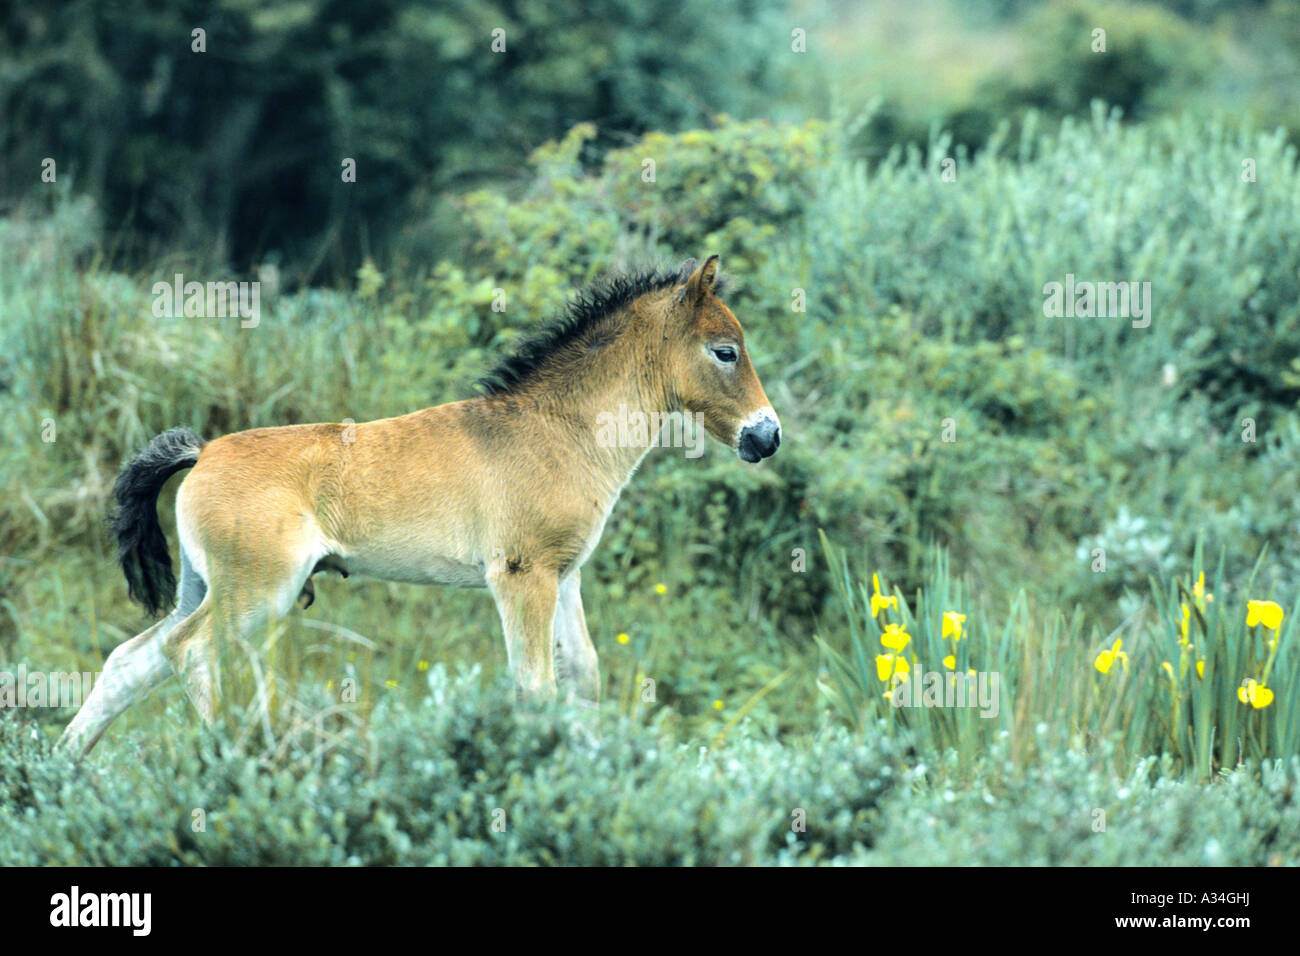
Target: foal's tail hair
x=141 y=544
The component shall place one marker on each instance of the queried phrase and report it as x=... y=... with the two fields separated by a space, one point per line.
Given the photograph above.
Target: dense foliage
x=461 y=778
x=924 y=321
x=1101 y=512
x=240 y=134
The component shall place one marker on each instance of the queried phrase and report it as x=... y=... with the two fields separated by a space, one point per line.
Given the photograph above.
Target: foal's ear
x=701 y=281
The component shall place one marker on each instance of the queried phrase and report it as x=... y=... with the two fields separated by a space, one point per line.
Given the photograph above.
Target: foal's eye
x=725 y=353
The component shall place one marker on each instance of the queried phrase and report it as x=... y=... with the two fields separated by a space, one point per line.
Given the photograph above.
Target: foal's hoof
x=535 y=696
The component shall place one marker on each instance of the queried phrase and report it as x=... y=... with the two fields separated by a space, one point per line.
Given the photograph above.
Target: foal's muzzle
x=760 y=437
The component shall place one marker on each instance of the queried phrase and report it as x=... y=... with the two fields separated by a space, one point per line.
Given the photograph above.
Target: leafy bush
x=1067 y=812
x=1152 y=61
x=461 y=778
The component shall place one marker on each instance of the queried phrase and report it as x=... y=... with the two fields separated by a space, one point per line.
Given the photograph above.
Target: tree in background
x=238 y=150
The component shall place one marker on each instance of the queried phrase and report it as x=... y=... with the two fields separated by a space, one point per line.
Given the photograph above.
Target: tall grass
x=924 y=303
x=1146 y=688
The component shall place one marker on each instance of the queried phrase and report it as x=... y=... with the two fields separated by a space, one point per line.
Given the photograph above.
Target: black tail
x=141 y=544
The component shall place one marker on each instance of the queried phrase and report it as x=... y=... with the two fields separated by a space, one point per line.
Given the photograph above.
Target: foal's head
x=709 y=369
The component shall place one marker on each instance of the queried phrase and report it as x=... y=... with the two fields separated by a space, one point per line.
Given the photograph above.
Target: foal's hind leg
x=133 y=669
x=190 y=649
x=255 y=585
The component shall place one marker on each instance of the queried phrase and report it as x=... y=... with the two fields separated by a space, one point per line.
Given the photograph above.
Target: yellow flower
x=1187 y=620
x=895 y=638
x=1268 y=613
x=717 y=705
x=1199 y=592
x=952 y=624
x=1200 y=668
x=423 y=665
x=1257 y=695
x=623 y=638
x=950 y=662
x=888 y=665
x=878 y=600
x=391 y=683
x=661 y=589
x=1107 y=658
x=1168 y=668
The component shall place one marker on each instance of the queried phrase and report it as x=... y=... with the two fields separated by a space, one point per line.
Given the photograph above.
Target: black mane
x=582 y=315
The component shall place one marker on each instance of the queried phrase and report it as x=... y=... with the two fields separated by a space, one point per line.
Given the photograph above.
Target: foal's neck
x=618 y=371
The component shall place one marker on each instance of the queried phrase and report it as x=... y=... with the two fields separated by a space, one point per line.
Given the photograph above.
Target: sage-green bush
x=460 y=778
x=463 y=778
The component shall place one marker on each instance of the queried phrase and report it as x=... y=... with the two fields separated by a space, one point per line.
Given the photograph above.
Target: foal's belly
x=428 y=569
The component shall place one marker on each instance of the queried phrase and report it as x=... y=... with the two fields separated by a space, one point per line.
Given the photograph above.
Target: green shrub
x=461 y=777
x=425 y=784
x=1066 y=812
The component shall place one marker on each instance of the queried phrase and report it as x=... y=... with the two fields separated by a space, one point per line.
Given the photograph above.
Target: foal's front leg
x=526 y=602
x=576 y=664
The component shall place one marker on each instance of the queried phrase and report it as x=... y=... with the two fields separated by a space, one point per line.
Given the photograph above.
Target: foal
x=509 y=490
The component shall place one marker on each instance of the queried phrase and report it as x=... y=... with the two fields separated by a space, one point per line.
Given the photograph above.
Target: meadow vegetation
x=953 y=464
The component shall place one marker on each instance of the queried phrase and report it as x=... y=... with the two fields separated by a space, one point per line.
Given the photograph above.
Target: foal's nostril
x=759 y=441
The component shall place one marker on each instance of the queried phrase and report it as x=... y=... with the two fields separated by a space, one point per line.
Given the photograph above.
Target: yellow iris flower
x=1268 y=613
x=895 y=638
x=1106 y=659
x=887 y=665
x=1199 y=592
x=1255 y=694
x=878 y=600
